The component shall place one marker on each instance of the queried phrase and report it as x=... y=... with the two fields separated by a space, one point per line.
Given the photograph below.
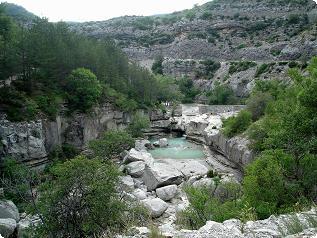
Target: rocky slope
x=266 y=35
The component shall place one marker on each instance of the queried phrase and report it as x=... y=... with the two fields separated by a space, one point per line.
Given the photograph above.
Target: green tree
x=111 y=144
x=238 y=124
x=81 y=200
x=138 y=124
x=221 y=95
x=188 y=89
x=83 y=89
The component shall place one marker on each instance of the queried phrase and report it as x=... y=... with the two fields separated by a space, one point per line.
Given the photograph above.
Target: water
x=179 y=148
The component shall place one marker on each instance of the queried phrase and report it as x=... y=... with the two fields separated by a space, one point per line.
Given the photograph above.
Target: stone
x=26 y=223
x=135 y=155
x=167 y=193
x=156 y=206
x=204 y=182
x=7 y=227
x=135 y=169
x=161 y=174
x=142 y=145
x=126 y=183
x=163 y=142
x=9 y=210
x=214 y=230
x=139 y=194
x=189 y=168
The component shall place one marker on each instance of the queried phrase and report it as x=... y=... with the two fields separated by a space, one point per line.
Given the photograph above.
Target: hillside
x=269 y=33
x=17 y=12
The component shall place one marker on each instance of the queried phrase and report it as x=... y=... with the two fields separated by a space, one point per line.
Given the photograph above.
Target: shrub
x=241 y=66
x=111 y=144
x=81 y=200
x=257 y=103
x=138 y=124
x=211 y=67
x=221 y=95
x=238 y=124
x=83 y=89
x=187 y=88
x=157 y=67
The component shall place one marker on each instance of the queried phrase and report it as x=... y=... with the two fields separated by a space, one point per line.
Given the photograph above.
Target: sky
x=94 y=10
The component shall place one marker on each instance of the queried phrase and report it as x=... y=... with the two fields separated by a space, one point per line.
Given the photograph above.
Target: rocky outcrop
x=7 y=227
x=9 y=210
x=156 y=206
x=31 y=142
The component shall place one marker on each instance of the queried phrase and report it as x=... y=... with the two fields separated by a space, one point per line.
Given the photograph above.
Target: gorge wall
x=269 y=36
x=31 y=142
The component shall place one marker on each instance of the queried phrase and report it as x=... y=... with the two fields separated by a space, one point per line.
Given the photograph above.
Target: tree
x=138 y=124
x=81 y=200
x=221 y=95
x=236 y=125
x=112 y=144
x=83 y=89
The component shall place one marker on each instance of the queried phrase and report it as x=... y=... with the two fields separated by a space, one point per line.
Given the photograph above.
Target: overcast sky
x=93 y=10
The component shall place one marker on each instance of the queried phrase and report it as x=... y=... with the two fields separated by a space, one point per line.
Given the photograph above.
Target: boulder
x=140 y=194
x=7 y=227
x=161 y=174
x=214 y=230
x=26 y=223
x=142 y=145
x=9 y=210
x=156 y=206
x=204 y=182
x=126 y=183
x=135 y=155
x=189 y=168
x=163 y=142
x=135 y=169
x=167 y=193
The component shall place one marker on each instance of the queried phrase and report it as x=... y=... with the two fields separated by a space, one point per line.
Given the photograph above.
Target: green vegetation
x=221 y=95
x=83 y=89
x=111 y=144
x=81 y=200
x=238 y=124
x=211 y=67
x=188 y=89
x=138 y=124
x=236 y=67
x=207 y=203
x=157 y=67
x=47 y=60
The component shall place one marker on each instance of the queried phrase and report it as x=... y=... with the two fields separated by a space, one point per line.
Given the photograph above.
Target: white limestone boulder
x=135 y=155
x=135 y=169
x=7 y=227
x=156 y=206
x=9 y=210
x=167 y=193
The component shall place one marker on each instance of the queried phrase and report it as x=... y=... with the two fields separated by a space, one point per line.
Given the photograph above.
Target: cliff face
x=223 y=31
x=31 y=142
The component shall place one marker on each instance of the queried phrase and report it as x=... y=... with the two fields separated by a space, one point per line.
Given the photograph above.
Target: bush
x=261 y=70
x=83 y=89
x=205 y=205
x=221 y=95
x=157 y=67
x=257 y=103
x=240 y=66
x=187 y=88
x=111 y=144
x=138 y=124
x=81 y=200
x=211 y=67
x=238 y=124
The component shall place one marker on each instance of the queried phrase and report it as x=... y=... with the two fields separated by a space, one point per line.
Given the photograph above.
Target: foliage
x=188 y=89
x=167 y=89
x=157 y=67
x=240 y=66
x=138 y=124
x=257 y=103
x=83 y=89
x=205 y=205
x=18 y=182
x=111 y=144
x=211 y=67
x=221 y=95
x=238 y=124
x=81 y=200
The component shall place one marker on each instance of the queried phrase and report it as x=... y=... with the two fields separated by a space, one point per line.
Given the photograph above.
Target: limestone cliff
x=271 y=34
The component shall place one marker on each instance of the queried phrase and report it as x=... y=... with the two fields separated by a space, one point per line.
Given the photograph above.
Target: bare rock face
x=9 y=210
x=7 y=227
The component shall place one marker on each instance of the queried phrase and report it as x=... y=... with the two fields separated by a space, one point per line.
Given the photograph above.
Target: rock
x=163 y=142
x=135 y=169
x=156 y=144
x=189 y=168
x=9 y=210
x=26 y=223
x=142 y=145
x=161 y=174
x=214 y=230
x=7 y=227
x=140 y=194
x=156 y=206
x=204 y=182
x=135 y=155
x=126 y=183
x=167 y=193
